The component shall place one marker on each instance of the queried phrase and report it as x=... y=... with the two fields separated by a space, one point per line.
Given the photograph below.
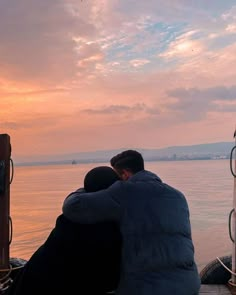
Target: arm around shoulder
x=92 y=207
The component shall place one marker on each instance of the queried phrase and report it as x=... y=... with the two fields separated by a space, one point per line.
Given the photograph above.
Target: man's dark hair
x=130 y=160
x=99 y=178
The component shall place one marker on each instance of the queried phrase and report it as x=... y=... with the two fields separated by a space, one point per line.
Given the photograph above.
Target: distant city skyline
x=90 y=75
x=220 y=150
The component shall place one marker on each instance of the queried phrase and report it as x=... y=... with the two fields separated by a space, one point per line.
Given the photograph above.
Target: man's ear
x=126 y=174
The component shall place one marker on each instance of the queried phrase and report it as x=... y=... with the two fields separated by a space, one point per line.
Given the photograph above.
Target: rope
x=12 y=170
x=6 y=280
x=5 y=270
x=231 y=161
x=231 y=283
x=229 y=270
x=11 y=230
x=11 y=268
x=5 y=285
x=229 y=225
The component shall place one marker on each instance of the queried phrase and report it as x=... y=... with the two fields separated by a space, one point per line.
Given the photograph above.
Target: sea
x=37 y=194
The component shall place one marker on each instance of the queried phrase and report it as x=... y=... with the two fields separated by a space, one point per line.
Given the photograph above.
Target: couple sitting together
x=125 y=232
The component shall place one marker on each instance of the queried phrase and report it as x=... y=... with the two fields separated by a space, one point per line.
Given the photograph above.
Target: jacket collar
x=144 y=175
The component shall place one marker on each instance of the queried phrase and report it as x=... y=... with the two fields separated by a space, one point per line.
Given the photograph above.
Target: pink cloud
x=139 y=62
x=184 y=46
x=38 y=46
x=73 y=74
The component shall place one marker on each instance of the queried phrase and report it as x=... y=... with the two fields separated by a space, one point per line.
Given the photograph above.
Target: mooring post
x=5 y=155
x=233 y=171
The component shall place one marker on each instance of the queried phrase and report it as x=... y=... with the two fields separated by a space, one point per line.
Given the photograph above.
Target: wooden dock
x=215 y=290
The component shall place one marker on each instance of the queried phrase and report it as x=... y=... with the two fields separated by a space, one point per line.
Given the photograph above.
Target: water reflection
x=37 y=194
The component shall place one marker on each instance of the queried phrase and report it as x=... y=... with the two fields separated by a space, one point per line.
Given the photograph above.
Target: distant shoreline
x=78 y=162
x=210 y=151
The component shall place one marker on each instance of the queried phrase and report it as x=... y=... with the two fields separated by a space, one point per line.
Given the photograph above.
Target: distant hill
x=209 y=148
x=200 y=151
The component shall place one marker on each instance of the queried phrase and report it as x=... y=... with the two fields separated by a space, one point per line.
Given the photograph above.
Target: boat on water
x=220 y=271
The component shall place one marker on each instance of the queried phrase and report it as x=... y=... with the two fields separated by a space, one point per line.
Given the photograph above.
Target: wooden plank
x=5 y=154
x=232 y=289
x=214 y=289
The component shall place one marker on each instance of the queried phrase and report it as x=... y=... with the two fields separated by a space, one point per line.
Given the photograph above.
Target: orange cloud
x=79 y=76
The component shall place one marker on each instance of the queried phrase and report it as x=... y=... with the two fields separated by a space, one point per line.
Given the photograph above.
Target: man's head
x=127 y=163
x=99 y=178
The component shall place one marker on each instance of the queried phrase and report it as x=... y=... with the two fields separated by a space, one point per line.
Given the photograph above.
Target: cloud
x=90 y=57
x=184 y=46
x=113 y=109
x=119 y=109
x=9 y=125
x=40 y=121
x=230 y=14
x=225 y=108
x=61 y=42
x=195 y=103
x=75 y=73
x=139 y=62
x=23 y=92
x=231 y=28
x=212 y=93
x=37 y=40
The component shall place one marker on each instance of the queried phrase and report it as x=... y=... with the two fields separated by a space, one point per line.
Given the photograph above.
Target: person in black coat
x=76 y=258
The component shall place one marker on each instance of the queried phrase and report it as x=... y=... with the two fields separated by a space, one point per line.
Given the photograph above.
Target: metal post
x=5 y=155
x=233 y=170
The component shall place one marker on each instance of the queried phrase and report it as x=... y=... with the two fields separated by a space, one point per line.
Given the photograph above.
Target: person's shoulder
x=117 y=185
x=175 y=192
x=118 y=190
x=145 y=176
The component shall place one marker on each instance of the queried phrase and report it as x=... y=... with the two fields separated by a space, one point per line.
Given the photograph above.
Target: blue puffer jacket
x=158 y=253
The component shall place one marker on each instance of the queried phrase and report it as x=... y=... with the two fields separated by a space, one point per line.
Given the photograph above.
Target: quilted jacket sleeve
x=99 y=206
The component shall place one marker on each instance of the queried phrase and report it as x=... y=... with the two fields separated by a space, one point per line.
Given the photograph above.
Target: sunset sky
x=101 y=74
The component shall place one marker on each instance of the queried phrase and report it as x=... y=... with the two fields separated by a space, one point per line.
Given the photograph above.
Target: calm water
x=37 y=194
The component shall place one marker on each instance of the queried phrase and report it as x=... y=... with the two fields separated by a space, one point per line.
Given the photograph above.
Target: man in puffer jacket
x=153 y=217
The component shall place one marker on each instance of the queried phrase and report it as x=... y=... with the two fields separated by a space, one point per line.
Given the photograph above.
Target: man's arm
x=79 y=190
x=92 y=207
